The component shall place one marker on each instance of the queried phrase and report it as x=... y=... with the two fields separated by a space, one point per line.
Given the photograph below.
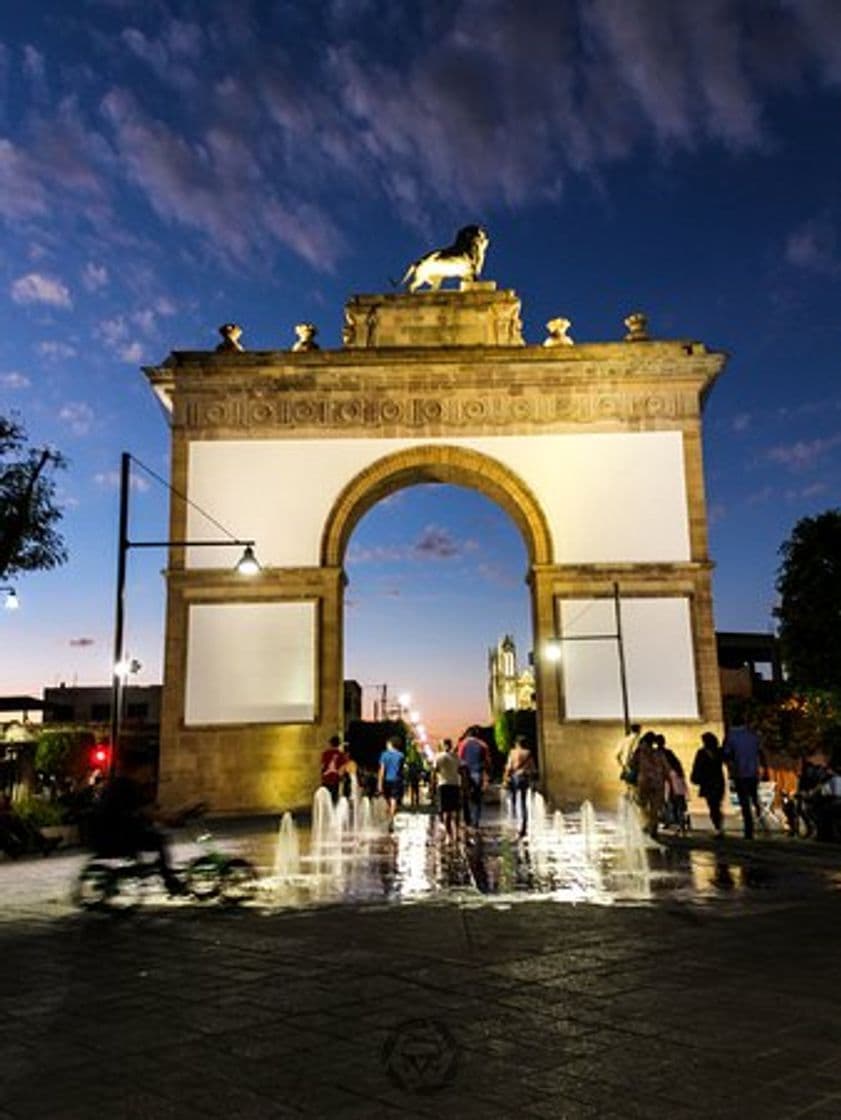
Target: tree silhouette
x=28 y=514
x=809 y=584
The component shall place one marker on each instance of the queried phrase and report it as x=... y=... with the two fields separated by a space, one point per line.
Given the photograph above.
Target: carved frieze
x=343 y=412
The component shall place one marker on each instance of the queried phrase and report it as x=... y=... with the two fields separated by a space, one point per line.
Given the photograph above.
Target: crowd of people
x=457 y=775
x=654 y=776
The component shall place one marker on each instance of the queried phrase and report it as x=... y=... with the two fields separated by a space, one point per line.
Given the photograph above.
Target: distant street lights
x=11 y=602
x=247 y=565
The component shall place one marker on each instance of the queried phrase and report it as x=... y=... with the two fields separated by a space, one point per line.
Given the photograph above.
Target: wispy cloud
x=14 y=379
x=94 y=276
x=474 y=103
x=379 y=554
x=36 y=287
x=803 y=454
x=56 y=351
x=215 y=183
x=814 y=246
x=132 y=354
x=438 y=543
x=110 y=480
x=804 y=493
x=498 y=575
x=761 y=497
x=78 y=416
x=116 y=334
x=22 y=195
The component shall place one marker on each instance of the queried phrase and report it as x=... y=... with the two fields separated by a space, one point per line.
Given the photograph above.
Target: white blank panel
x=250 y=663
x=659 y=661
x=607 y=497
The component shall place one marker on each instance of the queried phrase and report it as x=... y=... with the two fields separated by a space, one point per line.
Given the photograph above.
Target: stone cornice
x=431 y=414
x=406 y=392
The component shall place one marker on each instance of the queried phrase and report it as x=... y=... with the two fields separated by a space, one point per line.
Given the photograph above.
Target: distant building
x=749 y=665
x=509 y=687
x=92 y=704
x=352 y=702
x=20 y=718
x=19 y=710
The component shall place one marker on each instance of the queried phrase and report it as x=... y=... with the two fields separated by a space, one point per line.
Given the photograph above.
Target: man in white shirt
x=448 y=773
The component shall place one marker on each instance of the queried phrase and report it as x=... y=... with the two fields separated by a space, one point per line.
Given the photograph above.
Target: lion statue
x=463 y=260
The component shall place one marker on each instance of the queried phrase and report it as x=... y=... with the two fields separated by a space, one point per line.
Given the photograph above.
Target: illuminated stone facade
x=594 y=449
x=510 y=689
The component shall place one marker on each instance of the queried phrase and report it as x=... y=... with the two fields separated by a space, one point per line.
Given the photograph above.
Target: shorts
x=393 y=791
x=449 y=796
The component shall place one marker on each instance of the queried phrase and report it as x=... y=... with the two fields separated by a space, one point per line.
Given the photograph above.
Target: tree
x=63 y=750
x=809 y=612
x=28 y=513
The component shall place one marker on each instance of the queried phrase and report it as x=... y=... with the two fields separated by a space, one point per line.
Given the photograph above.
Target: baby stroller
x=675 y=812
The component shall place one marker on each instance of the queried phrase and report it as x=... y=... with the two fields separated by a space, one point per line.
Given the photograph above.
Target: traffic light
x=100 y=756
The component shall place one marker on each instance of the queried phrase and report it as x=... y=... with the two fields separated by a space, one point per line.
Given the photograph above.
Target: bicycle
x=118 y=882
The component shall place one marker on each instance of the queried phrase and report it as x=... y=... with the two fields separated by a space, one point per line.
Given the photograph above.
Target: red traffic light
x=100 y=756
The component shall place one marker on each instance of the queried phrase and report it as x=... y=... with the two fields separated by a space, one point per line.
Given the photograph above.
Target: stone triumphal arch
x=594 y=449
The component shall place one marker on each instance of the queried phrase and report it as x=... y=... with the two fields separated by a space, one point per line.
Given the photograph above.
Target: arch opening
x=436 y=603
x=442 y=464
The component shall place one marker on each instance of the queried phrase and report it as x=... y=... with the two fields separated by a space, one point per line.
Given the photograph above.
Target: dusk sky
x=169 y=166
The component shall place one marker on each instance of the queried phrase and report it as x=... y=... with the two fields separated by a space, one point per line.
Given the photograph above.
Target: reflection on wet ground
x=577 y=857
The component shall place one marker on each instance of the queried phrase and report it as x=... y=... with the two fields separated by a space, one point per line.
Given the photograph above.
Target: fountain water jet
x=537 y=814
x=287 y=863
x=588 y=830
x=631 y=845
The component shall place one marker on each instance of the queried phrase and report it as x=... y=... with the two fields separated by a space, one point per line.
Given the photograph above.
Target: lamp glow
x=248 y=564
x=552 y=649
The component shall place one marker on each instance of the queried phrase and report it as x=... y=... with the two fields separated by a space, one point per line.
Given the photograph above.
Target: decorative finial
x=349 y=329
x=231 y=334
x=463 y=260
x=637 y=324
x=557 y=335
x=305 y=339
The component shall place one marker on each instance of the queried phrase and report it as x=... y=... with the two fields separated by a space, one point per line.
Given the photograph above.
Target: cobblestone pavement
x=676 y=1008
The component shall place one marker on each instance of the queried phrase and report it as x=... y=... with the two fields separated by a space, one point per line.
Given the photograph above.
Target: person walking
x=333 y=761
x=519 y=770
x=414 y=769
x=447 y=770
x=390 y=777
x=624 y=754
x=743 y=753
x=708 y=775
x=652 y=770
x=475 y=765
x=676 y=788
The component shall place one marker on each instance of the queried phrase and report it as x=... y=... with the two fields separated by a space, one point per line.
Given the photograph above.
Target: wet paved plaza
x=404 y=975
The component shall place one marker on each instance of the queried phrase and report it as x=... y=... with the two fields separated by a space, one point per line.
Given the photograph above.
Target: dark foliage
x=809 y=612
x=29 y=541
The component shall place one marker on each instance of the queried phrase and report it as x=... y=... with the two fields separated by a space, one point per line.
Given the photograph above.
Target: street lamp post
x=11 y=602
x=247 y=565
